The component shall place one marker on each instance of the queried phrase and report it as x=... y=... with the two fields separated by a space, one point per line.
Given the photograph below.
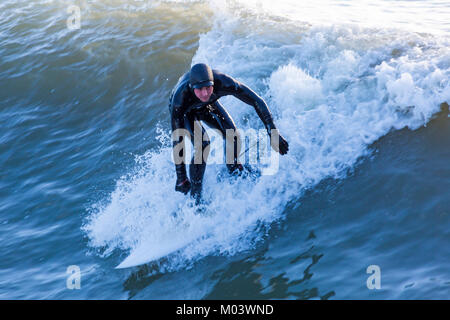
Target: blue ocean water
x=87 y=177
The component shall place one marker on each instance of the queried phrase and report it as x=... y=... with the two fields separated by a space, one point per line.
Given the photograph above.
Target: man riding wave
x=194 y=99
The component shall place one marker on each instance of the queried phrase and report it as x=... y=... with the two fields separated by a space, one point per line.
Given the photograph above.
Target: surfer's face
x=204 y=93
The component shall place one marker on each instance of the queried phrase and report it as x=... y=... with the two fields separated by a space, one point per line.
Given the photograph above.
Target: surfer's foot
x=235 y=169
x=196 y=193
x=245 y=170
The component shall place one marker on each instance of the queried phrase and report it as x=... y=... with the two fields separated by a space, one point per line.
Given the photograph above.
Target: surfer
x=194 y=99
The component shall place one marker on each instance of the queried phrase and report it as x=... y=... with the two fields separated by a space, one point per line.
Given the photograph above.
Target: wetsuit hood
x=200 y=76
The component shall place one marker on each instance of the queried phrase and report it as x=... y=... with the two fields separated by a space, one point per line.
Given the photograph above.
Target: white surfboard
x=146 y=253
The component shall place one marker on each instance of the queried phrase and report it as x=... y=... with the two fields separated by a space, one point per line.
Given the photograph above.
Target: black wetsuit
x=186 y=108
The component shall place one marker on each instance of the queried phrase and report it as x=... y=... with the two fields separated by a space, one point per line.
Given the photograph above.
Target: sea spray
x=333 y=90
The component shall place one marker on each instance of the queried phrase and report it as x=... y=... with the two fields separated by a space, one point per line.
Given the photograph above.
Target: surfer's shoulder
x=180 y=90
x=225 y=82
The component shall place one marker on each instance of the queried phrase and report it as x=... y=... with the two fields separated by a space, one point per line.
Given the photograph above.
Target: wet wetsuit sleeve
x=248 y=96
x=177 y=120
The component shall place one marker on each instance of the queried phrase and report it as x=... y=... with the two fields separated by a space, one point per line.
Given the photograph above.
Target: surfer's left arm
x=248 y=96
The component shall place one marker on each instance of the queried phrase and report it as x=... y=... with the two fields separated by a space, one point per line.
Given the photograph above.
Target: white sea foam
x=333 y=90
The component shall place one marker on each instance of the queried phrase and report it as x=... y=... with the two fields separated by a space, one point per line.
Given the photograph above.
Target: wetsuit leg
x=218 y=118
x=201 y=150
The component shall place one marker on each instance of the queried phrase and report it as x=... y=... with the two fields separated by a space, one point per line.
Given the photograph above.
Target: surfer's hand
x=283 y=146
x=183 y=186
x=278 y=143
